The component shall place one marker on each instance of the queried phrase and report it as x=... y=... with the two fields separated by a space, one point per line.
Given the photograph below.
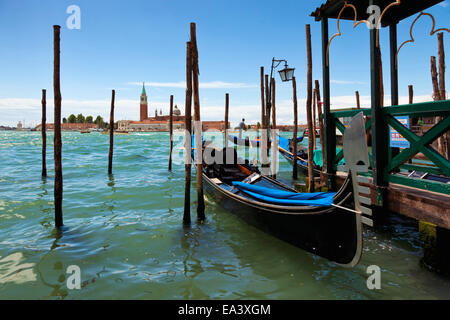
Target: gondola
x=425 y=176
x=252 y=143
x=317 y=223
x=284 y=147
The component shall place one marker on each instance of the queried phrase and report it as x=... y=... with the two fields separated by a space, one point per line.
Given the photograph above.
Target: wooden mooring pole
x=58 y=187
x=198 y=134
x=274 y=128
x=434 y=80
x=411 y=94
x=308 y=111
x=358 y=103
x=227 y=105
x=294 y=137
x=44 y=133
x=267 y=125
x=188 y=138
x=314 y=103
x=415 y=121
x=436 y=97
x=111 y=133
x=263 y=103
x=274 y=112
x=319 y=116
x=171 y=132
x=263 y=129
x=441 y=55
x=444 y=139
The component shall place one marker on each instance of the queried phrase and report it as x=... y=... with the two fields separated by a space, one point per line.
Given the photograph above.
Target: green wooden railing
x=438 y=164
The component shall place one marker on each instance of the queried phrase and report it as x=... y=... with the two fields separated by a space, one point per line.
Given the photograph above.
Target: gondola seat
x=225 y=166
x=281 y=197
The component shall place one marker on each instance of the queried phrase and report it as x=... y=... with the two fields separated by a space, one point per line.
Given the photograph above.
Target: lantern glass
x=286 y=74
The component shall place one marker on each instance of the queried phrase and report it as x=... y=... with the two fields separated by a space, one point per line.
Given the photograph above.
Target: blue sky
x=122 y=43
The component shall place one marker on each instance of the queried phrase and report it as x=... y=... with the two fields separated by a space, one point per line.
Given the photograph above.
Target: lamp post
x=286 y=75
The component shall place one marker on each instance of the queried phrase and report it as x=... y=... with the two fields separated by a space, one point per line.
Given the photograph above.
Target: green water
x=125 y=234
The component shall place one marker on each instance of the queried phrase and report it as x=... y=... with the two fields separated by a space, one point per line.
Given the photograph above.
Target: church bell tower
x=144 y=104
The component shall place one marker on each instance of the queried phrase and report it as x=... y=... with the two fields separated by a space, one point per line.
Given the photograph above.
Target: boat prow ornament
x=357 y=161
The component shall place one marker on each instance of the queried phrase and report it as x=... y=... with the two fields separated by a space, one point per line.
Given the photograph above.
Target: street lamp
x=286 y=75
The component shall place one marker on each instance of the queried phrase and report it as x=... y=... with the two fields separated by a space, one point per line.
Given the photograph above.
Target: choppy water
x=126 y=235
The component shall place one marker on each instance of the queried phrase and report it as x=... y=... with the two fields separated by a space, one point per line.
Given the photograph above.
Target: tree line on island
x=88 y=119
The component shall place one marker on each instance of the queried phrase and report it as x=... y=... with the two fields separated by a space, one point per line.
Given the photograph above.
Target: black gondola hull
x=334 y=234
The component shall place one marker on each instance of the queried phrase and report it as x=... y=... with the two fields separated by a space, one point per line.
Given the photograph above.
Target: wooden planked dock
x=418 y=204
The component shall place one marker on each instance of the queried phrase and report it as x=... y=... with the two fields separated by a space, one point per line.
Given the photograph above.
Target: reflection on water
x=125 y=232
x=111 y=182
x=189 y=243
x=14 y=270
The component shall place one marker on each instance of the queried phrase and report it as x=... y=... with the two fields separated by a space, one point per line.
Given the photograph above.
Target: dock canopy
x=396 y=13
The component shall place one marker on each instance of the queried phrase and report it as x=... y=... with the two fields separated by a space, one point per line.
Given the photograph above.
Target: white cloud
x=203 y=85
x=444 y=4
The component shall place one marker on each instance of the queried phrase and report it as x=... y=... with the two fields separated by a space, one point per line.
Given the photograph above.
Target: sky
x=121 y=44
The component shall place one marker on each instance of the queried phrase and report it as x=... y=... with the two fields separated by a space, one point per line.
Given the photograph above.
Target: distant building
x=123 y=125
x=160 y=122
x=290 y=128
x=144 y=104
x=213 y=125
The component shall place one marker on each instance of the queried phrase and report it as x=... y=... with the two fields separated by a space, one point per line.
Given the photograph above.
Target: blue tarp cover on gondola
x=284 y=143
x=193 y=141
x=276 y=196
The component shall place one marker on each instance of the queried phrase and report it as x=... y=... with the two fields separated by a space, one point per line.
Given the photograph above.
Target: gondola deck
x=329 y=232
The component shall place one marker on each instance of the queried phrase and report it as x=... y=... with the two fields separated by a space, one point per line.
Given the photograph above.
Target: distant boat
x=115 y=132
x=85 y=131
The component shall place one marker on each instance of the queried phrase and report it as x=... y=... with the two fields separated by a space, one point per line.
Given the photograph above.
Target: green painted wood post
x=394 y=76
x=380 y=143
